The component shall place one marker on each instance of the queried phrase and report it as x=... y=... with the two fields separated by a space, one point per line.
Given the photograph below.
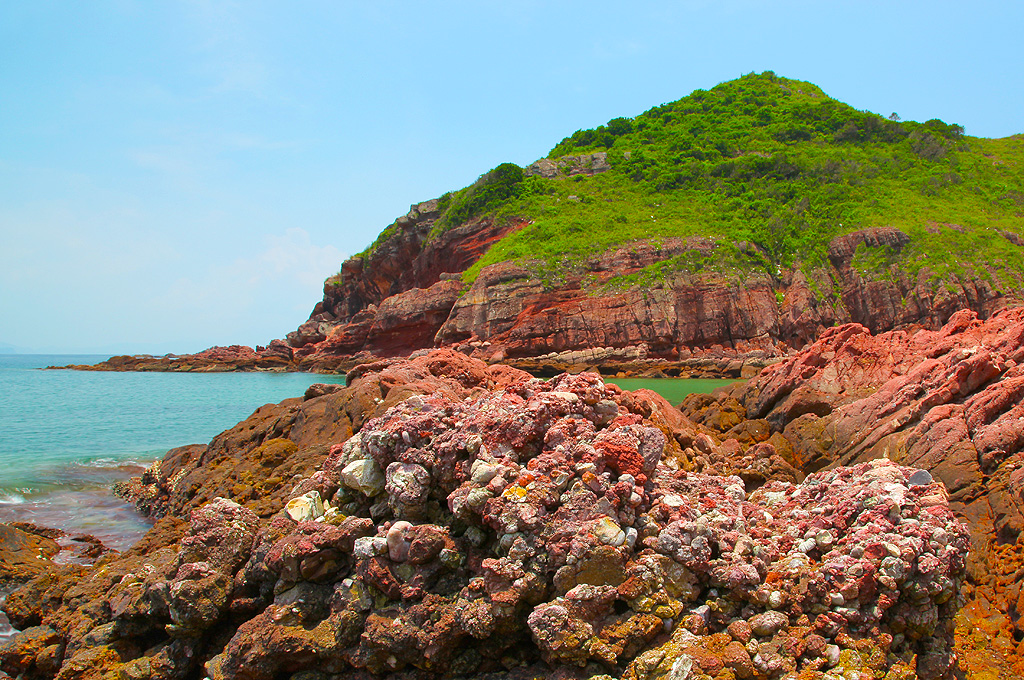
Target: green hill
x=772 y=162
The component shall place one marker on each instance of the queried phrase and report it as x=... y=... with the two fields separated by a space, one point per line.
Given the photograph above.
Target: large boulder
x=24 y=554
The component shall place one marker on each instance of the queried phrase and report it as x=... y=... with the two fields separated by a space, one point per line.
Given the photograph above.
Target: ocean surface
x=67 y=436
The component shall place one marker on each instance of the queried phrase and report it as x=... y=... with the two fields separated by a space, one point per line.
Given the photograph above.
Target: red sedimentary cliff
x=407 y=295
x=404 y=261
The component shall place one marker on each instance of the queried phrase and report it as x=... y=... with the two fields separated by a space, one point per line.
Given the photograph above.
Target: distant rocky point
x=276 y=357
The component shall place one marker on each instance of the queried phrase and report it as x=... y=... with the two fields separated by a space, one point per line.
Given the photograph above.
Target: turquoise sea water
x=66 y=436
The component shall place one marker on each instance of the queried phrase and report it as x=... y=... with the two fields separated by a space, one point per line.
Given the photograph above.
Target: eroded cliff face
x=608 y=312
x=405 y=261
x=408 y=295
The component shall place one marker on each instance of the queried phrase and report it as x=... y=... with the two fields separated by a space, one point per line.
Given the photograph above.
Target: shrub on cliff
x=491 y=190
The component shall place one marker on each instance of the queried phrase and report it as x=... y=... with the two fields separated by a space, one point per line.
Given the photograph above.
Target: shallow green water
x=673 y=389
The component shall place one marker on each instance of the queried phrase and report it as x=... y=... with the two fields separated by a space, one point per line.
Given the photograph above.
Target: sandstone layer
x=691 y=310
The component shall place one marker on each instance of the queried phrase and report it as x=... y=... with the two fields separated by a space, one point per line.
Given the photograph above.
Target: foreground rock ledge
x=540 y=529
x=948 y=401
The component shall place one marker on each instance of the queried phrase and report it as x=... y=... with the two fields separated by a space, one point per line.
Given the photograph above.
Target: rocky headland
x=406 y=296
x=710 y=235
x=475 y=503
x=854 y=510
x=684 y=324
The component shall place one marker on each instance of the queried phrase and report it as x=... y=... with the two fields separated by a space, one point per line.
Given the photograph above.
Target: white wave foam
x=6 y=631
x=95 y=462
x=113 y=463
x=11 y=499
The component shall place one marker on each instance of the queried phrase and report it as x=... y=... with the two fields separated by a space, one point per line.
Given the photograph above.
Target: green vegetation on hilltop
x=491 y=191
x=773 y=162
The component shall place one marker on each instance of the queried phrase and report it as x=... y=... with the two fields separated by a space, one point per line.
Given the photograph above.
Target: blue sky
x=175 y=175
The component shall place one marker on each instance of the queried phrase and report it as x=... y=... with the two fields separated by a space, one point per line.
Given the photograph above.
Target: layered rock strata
x=487 y=522
x=691 y=310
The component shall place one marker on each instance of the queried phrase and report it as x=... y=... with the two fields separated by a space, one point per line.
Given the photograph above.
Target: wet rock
x=37 y=651
x=24 y=555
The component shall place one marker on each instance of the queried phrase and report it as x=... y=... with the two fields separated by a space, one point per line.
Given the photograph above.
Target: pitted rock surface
x=543 y=524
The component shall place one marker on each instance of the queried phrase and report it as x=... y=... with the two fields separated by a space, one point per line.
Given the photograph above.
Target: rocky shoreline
x=627 y=362
x=852 y=510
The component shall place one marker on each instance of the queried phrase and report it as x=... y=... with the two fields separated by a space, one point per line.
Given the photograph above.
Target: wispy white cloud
x=59 y=241
x=289 y=270
x=293 y=254
x=176 y=163
x=227 y=45
x=195 y=160
x=235 y=140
